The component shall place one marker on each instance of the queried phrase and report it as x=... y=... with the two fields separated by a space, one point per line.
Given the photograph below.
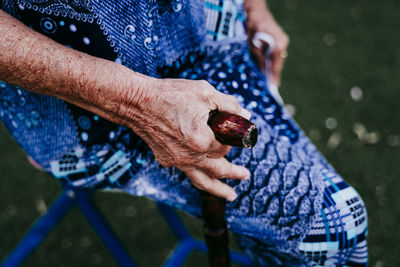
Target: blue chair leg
x=106 y=234
x=187 y=244
x=40 y=230
x=70 y=197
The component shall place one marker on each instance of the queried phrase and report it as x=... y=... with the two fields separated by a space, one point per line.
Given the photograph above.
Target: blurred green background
x=342 y=79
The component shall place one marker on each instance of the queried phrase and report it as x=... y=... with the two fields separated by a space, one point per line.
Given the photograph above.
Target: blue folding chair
x=71 y=197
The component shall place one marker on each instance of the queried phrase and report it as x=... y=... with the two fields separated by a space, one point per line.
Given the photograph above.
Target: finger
x=209 y=145
x=218 y=150
x=228 y=103
x=213 y=186
x=222 y=168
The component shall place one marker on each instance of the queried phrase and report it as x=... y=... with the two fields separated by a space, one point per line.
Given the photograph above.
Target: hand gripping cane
x=233 y=130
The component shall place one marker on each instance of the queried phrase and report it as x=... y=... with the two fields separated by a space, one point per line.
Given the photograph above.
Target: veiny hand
x=174 y=125
x=261 y=20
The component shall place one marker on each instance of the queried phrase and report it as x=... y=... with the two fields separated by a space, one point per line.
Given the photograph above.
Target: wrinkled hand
x=261 y=20
x=175 y=127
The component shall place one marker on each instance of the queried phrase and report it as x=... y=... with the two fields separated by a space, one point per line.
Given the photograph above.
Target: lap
x=285 y=192
x=275 y=209
x=293 y=194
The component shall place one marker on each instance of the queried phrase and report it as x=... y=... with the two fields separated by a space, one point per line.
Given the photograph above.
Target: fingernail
x=245 y=113
x=246 y=174
x=231 y=197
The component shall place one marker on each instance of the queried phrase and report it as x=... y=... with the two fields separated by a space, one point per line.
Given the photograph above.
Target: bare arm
x=170 y=115
x=33 y=61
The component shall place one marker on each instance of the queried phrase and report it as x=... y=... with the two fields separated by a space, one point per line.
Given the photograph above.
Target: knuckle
x=206 y=90
x=225 y=150
x=200 y=144
x=199 y=148
x=282 y=44
x=220 y=151
x=204 y=83
x=207 y=95
x=214 y=169
x=287 y=39
x=220 y=173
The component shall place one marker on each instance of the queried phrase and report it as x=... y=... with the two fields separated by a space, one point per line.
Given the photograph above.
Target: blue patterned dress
x=294 y=211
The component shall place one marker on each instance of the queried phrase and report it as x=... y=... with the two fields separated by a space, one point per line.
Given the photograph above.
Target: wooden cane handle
x=231 y=129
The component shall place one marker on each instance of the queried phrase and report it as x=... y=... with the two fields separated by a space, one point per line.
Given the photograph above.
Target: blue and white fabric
x=294 y=211
x=224 y=19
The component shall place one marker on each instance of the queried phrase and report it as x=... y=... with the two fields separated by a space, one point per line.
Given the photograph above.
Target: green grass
x=335 y=45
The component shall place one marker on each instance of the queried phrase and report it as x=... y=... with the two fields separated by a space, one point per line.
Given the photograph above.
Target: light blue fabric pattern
x=275 y=210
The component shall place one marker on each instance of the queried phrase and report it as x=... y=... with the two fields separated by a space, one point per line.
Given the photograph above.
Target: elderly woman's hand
x=259 y=19
x=171 y=116
x=174 y=124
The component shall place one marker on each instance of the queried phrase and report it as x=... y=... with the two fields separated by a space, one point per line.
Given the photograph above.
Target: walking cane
x=233 y=130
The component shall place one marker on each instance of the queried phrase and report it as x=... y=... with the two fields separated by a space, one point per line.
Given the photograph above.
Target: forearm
x=36 y=63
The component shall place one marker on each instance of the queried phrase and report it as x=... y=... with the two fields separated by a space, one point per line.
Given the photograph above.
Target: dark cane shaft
x=233 y=130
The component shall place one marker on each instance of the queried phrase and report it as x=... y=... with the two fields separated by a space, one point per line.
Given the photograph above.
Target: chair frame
x=71 y=197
